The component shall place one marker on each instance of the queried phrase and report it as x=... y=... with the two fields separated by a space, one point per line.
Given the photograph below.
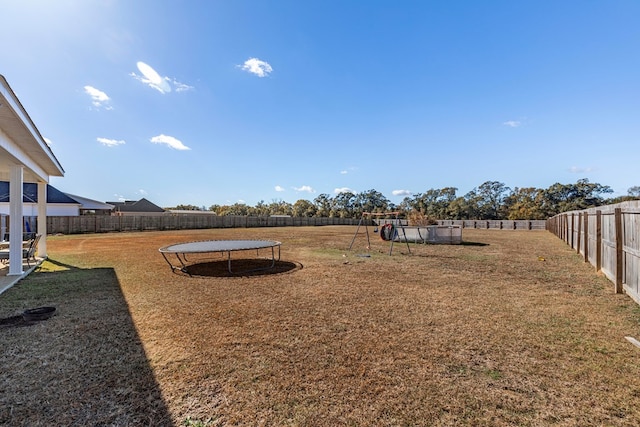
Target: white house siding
x=53 y=209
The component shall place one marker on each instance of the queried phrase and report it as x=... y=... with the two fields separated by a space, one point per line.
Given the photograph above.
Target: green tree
x=370 y=201
x=280 y=207
x=261 y=209
x=568 y=197
x=323 y=205
x=343 y=205
x=490 y=197
x=634 y=191
x=304 y=208
x=525 y=203
x=237 y=209
x=458 y=209
x=187 y=208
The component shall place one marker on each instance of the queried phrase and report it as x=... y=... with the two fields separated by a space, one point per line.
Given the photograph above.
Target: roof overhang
x=21 y=142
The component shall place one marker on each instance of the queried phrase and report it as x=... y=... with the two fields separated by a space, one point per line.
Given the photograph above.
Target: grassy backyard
x=510 y=328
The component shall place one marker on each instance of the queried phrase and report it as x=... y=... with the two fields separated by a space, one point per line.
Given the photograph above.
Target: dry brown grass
x=478 y=334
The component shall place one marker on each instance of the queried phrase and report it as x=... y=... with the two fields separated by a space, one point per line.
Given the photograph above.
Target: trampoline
x=181 y=250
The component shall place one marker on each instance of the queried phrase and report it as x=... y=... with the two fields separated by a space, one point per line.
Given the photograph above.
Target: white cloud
x=256 y=66
x=576 y=169
x=170 y=141
x=110 y=142
x=142 y=192
x=305 y=188
x=151 y=78
x=344 y=190
x=278 y=188
x=344 y=172
x=401 y=192
x=512 y=123
x=47 y=141
x=99 y=99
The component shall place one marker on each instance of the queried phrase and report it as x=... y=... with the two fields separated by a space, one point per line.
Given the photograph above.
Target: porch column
x=15 y=220
x=42 y=219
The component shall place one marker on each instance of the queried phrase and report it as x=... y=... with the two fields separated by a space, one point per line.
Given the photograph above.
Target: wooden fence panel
x=521 y=224
x=609 y=238
x=631 y=255
x=592 y=238
x=104 y=224
x=573 y=231
x=608 y=264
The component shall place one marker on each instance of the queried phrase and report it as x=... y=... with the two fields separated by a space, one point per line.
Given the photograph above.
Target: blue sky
x=218 y=102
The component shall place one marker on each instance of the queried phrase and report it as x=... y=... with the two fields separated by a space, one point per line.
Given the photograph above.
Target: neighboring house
x=58 y=203
x=92 y=207
x=139 y=207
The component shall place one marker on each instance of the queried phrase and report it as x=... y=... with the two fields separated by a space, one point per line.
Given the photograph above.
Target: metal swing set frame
x=369 y=216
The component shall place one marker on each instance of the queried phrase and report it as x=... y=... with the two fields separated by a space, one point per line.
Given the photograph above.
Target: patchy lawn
x=510 y=328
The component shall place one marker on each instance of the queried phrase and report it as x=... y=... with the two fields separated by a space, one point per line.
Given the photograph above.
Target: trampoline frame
x=181 y=250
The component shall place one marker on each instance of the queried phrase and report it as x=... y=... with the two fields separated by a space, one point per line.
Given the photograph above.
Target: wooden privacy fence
x=521 y=224
x=104 y=223
x=609 y=238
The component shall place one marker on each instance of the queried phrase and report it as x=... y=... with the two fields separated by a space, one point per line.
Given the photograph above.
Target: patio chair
x=28 y=251
x=26 y=236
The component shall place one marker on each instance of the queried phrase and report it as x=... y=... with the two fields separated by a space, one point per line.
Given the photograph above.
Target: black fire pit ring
x=40 y=313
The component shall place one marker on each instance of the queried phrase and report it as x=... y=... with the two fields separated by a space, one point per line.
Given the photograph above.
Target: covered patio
x=24 y=157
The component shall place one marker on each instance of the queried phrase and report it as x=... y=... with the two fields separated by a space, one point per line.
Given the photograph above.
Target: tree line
x=491 y=200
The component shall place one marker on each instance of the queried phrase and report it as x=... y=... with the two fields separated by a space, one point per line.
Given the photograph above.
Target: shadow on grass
x=242 y=268
x=85 y=365
x=474 y=243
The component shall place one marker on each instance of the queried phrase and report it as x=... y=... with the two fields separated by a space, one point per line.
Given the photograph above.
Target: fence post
x=619 y=250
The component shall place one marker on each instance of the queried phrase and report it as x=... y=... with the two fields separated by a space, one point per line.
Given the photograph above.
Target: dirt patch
x=511 y=328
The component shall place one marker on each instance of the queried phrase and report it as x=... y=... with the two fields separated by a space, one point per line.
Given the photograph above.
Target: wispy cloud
x=576 y=169
x=278 y=188
x=170 y=142
x=110 y=142
x=512 y=123
x=181 y=87
x=142 y=192
x=305 y=188
x=99 y=99
x=401 y=192
x=344 y=190
x=47 y=141
x=348 y=170
x=153 y=79
x=256 y=66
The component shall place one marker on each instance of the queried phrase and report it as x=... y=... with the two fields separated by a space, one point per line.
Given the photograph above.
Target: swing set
x=389 y=231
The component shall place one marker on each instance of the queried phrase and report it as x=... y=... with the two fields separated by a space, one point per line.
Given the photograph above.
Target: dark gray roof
x=30 y=194
x=142 y=205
